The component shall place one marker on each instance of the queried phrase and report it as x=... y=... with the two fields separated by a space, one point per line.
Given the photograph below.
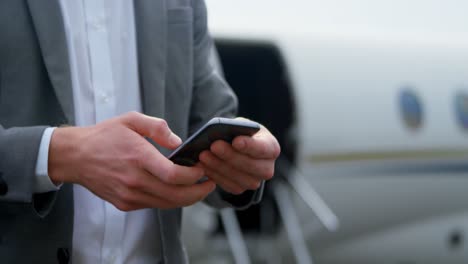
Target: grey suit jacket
x=178 y=83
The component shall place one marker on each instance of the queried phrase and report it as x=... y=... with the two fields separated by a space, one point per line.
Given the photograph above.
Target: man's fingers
x=225 y=183
x=190 y=194
x=181 y=195
x=159 y=166
x=263 y=168
x=262 y=145
x=152 y=127
x=225 y=174
x=130 y=200
x=162 y=196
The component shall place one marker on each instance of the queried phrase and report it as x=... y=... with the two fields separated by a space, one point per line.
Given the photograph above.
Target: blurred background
x=369 y=100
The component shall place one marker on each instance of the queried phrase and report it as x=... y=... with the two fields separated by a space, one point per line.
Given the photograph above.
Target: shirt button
x=97 y=25
x=112 y=258
x=103 y=97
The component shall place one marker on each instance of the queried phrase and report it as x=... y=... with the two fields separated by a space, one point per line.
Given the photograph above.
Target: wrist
x=63 y=155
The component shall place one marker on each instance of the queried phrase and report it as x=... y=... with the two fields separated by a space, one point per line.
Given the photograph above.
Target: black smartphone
x=218 y=128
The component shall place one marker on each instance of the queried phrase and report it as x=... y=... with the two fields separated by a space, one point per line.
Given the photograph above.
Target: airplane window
x=461 y=109
x=411 y=109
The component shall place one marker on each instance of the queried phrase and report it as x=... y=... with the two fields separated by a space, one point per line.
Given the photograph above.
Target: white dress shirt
x=102 y=50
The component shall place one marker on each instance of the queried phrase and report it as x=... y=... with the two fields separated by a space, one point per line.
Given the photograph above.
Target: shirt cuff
x=43 y=182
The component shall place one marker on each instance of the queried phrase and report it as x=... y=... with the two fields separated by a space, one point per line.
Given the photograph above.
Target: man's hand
x=244 y=164
x=114 y=161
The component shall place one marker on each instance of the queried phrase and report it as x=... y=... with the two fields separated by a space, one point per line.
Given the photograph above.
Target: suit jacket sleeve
x=19 y=148
x=212 y=97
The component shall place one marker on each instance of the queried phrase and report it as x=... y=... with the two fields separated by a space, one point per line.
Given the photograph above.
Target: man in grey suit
x=96 y=187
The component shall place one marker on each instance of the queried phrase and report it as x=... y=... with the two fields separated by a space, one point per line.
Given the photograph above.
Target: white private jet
x=369 y=100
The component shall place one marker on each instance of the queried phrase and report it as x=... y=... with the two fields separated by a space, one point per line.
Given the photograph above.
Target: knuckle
x=123 y=206
x=127 y=198
x=202 y=195
x=253 y=185
x=198 y=197
x=264 y=170
x=170 y=176
x=161 y=126
x=131 y=182
x=132 y=115
x=269 y=173
x=161 y=122
x=237 y=190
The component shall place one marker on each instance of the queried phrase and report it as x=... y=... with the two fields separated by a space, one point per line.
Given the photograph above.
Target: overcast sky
x=432 y=16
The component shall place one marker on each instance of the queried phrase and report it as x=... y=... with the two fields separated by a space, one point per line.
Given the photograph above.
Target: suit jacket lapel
x=151 y=31
x=48 y=22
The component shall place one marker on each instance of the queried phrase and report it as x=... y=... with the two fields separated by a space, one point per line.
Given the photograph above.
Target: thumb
x=152 y=127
